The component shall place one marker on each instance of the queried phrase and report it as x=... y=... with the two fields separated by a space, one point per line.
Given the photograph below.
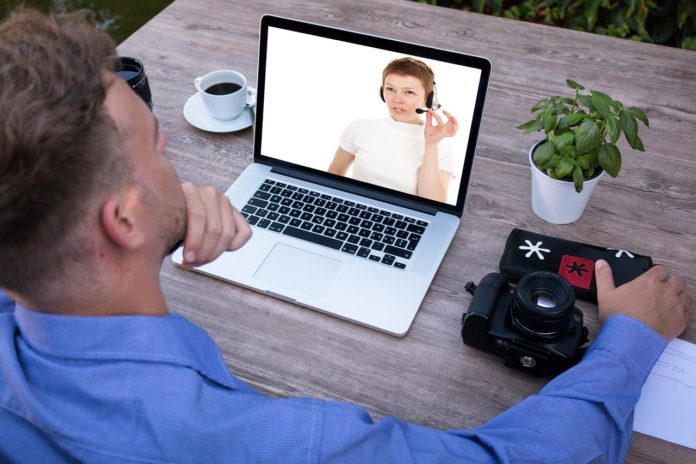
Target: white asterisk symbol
x=620 y=252
x=534 y=249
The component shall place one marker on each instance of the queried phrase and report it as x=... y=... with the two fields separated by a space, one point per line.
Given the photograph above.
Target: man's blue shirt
x=156 y=389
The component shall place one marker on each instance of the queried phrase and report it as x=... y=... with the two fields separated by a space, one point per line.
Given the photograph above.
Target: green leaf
x=549 y=122
x=587 y=137
x=613 y=129
x=639 y=115
x=530 y=126
x=639 y=144
x=564 y=168
x=563 y=140
x=610 y=159
x=630 y=127
x=601 y=101
x=543 y=153
x=587 y=101
x=574 y=85
x=570 y=120
x=569 y=152
x=577 y=179
x=585 y=161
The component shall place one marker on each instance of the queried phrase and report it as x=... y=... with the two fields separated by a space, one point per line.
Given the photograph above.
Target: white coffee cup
x=224 y=93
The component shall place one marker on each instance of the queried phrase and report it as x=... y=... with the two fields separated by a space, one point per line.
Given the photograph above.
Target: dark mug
x=132 y=71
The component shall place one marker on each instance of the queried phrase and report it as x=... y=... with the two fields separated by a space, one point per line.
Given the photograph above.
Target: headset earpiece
x=381 y=94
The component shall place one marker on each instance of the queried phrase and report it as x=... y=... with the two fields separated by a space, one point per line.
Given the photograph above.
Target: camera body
x=534 y=325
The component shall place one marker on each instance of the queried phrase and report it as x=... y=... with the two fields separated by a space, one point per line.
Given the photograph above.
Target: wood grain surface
x=429 y=376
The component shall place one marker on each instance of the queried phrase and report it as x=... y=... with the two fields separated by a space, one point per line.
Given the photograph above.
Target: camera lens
x=543 y=304
x=132 y=71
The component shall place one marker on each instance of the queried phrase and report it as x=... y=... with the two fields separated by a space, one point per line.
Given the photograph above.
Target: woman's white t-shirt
x=389 y=153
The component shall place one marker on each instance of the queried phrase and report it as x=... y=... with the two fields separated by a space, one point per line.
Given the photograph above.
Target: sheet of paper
x=667 y=405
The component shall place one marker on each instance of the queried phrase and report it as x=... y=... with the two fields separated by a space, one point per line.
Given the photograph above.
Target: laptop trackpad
x=299 y=270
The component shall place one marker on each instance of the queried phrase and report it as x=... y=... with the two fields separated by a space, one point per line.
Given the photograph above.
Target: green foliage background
x=664 y=22
x=119 y=18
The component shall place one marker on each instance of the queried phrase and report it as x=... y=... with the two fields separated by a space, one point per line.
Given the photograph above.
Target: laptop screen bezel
x=406 y=48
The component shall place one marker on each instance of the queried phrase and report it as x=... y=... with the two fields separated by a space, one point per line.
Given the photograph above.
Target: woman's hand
x=434 y=134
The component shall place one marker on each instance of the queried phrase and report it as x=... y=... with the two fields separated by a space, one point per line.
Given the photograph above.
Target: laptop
x=352 y=243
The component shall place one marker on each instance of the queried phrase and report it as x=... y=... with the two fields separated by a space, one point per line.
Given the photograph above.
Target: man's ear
x=120 y=221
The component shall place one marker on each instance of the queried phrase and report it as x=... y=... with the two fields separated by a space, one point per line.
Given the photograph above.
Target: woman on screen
x=402 y=152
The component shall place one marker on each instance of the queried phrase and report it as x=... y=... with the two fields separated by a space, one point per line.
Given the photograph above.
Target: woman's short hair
x=411 y=67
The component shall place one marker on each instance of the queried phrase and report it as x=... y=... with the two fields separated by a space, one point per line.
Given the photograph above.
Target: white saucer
x=198 y=116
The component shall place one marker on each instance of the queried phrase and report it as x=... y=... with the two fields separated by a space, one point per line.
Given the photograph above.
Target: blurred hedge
x=668 y=22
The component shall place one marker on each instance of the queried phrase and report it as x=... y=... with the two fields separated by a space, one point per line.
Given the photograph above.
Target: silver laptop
x=359 y=242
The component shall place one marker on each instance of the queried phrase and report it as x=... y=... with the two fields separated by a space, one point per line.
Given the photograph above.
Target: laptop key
x=295 y=213
x=348 y=248
x=312 y=237
x=253 y=220
x=366 y=242
x=341 y=226
x=273 y=207
x=276 y=227
x=341 y=236
x=249 y=209
x=280 y=184
x=284 y=219
x=297 y=196
x=261 y=212
x=257 y=202
x=399 y=265
x=306 y=216
x=400 y=225
x=330 y=232
x=306 y=225
x=353 y=239
x=318 y=229
x=296 y=222
x=374 y=258
x=402 y=234
x=400 y=252
x=263 y=223
x=388 y=259
x=422 y=223
x=269 y=182
x=262 y=195
x=416 y=229
x=272 y=216
x=401 y=243
x=363 y=252
x=352 y=229
x=378 y=246
x=410 y=220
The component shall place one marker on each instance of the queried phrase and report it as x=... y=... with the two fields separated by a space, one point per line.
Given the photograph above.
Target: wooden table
x=429 y=376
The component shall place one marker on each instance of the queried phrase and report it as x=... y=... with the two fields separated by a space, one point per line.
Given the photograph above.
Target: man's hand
x=213 y=225
x=655 y=298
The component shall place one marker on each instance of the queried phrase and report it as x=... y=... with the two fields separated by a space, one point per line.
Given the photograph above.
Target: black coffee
x=224 y=88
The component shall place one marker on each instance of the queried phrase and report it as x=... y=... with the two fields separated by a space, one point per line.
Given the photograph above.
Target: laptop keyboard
x=365 y=231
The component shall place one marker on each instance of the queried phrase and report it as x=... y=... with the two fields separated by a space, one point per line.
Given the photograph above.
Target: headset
x=431 y=102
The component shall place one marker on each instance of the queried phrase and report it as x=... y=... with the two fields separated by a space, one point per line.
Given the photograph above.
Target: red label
x=577 y=271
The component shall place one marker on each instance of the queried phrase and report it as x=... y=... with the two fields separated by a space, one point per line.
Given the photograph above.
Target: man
x=93 y=368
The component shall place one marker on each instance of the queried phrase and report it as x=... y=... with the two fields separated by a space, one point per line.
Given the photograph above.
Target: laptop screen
x=351 y=106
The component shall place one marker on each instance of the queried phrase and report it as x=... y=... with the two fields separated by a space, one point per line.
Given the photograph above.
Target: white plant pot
x=556 y=201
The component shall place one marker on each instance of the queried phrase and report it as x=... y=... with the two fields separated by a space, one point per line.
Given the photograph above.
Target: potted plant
x=580 y=145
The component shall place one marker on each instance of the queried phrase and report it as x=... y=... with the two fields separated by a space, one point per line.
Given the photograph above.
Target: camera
x=534 y=325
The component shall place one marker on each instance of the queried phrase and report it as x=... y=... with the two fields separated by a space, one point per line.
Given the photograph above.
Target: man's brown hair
x=60 y=152
x=411 y=67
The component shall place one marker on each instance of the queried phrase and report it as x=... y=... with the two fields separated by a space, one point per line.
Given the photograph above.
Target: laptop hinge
x=403 y=202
